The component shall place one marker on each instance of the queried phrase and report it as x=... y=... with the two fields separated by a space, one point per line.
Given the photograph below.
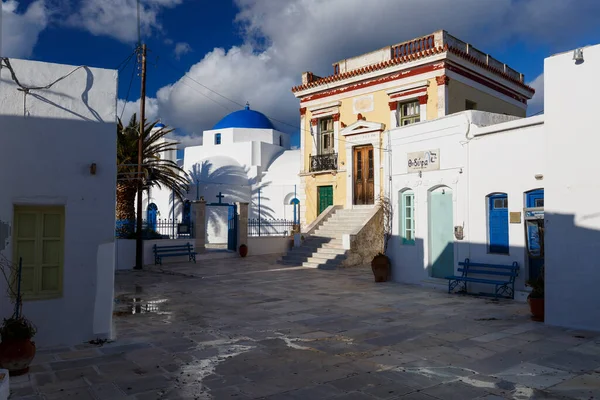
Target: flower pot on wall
x=381 y=268
x=536 y=305
x=243 y=250
x=16 y=355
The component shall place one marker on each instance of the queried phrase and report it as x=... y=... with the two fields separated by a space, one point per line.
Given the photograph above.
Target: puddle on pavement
x=139 y=303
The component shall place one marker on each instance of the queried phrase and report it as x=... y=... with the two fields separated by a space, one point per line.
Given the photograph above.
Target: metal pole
x=259 y=212
x=173 y=214
x=139 y=244
x=295 y=205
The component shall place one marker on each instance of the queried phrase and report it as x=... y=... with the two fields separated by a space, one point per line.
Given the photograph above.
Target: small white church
x=243 y=158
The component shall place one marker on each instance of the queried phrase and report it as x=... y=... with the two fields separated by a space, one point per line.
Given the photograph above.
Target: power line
x=186 y=75
x=130 y=83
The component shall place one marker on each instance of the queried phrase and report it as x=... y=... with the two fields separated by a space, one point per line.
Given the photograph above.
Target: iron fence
x=270 y=227
x=159 y=229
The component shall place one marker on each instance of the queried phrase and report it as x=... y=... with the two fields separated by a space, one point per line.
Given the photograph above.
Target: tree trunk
x=126 y=192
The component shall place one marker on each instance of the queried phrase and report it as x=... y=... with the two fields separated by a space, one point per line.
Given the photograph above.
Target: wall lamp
x=578 y=56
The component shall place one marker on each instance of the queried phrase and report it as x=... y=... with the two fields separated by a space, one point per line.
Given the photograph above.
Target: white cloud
x=536 y=104
x=283 y=39
x=182 y=48
x=126 y=109
x=19 y=31
x=118 y=18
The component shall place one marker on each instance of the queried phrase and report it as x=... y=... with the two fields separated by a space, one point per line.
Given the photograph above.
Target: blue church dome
x=159 y=126
x=245 y=118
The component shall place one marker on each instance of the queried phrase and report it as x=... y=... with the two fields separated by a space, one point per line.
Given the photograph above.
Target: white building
x=57 y=206
x=243 y=158
x=483 y=173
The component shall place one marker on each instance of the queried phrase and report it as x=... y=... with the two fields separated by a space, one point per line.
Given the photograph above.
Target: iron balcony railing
x=324 y=162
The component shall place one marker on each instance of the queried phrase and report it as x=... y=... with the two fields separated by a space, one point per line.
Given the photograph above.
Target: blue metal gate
x=232 y=228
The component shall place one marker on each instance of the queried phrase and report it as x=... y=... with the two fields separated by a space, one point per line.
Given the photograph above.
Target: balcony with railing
x=324 y=162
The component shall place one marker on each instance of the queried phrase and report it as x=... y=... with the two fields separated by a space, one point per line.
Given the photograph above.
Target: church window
x=217 y=138
x=498 y=223
x=407 y=217
x=326 y=135
x=409 y=113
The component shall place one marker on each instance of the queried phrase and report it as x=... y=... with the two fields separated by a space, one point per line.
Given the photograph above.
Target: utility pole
x=139 y=244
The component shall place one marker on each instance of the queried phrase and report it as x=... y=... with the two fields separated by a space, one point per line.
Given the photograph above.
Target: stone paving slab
x=252 y=329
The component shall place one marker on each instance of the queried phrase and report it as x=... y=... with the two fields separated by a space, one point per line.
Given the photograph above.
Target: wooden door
x=364 y=175
x=325 y=198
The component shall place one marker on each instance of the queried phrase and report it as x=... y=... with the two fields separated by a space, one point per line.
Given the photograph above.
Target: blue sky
x=255 y=50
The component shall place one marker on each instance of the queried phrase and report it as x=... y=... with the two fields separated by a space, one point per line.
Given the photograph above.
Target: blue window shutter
x=498 y=223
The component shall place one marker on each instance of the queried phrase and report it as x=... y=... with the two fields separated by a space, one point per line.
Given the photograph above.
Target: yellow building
x=343 y=116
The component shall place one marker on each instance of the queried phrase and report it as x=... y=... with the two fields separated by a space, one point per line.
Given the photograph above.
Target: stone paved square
x=252 y=329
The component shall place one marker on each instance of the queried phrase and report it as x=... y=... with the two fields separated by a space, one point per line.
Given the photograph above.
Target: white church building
x=243 y=158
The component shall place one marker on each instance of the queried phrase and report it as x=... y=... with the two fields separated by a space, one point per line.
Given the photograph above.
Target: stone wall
x=366 y=243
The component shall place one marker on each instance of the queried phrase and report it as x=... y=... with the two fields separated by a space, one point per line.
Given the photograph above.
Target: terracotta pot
x=243 y=250
x=16 y=355
x=536 y=305
x=381 y=268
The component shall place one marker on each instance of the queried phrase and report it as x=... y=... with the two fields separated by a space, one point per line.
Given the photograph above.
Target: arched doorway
x=296 y=203
x=151 y=216
x=441 y=232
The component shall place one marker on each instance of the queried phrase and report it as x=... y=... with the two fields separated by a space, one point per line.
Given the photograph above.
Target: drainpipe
x=469 y=136
x=259 y=212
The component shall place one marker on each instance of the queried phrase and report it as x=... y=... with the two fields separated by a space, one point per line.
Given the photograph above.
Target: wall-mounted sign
x=424 y=160
x=515 y=217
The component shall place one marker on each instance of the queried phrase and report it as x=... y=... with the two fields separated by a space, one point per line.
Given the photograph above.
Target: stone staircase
x=323 y=248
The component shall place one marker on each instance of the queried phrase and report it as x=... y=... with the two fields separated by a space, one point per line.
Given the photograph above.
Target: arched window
x=151 y=216
x=498 y=223
x=407 y=216
x=217 y=138
x=296 y=203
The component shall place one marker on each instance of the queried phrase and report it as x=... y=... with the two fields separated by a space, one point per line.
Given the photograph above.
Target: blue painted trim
x=498 y=240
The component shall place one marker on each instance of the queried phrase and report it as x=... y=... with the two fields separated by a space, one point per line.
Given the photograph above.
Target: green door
x=441 y=233
x=325 y=198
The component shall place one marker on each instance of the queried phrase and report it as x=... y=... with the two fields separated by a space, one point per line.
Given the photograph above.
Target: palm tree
x=156 y=171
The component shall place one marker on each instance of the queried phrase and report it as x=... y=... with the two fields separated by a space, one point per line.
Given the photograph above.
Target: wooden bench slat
x=486 y=272
x=482 y=269
x=488 y=265
x=173 y=251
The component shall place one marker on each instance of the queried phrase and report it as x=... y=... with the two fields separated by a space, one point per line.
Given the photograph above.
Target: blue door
x=498 y=223
x=151 y=215
x=232 y=226
x=441 y=233
x=534 y=199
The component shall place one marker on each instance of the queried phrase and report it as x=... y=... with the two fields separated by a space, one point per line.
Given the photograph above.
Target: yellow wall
x=458 y=92
x=380 y=113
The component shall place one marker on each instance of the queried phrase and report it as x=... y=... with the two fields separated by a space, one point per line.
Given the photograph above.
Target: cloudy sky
x=208 y=57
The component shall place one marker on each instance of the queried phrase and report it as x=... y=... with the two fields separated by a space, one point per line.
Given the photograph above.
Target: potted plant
x=243 y=250
x=536 y=297
x=381 y=265
x=17 y=350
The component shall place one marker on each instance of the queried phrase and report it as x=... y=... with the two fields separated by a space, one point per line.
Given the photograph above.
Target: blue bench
x=173 y=251
x=503 y=287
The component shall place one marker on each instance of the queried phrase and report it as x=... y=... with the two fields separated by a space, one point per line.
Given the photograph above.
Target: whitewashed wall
x=476 y=159
x=572 y=190
x=46 y=160
x=503 y=158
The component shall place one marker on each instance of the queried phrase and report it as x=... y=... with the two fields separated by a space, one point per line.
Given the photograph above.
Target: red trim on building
x=314 y=81
x=423 y=99
x=481 y=80
x=408 y=93
x=302 y=110
x=336 y=117
x=314 y=121
x=393 y=105
x=442 y=80
x=361 y=85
